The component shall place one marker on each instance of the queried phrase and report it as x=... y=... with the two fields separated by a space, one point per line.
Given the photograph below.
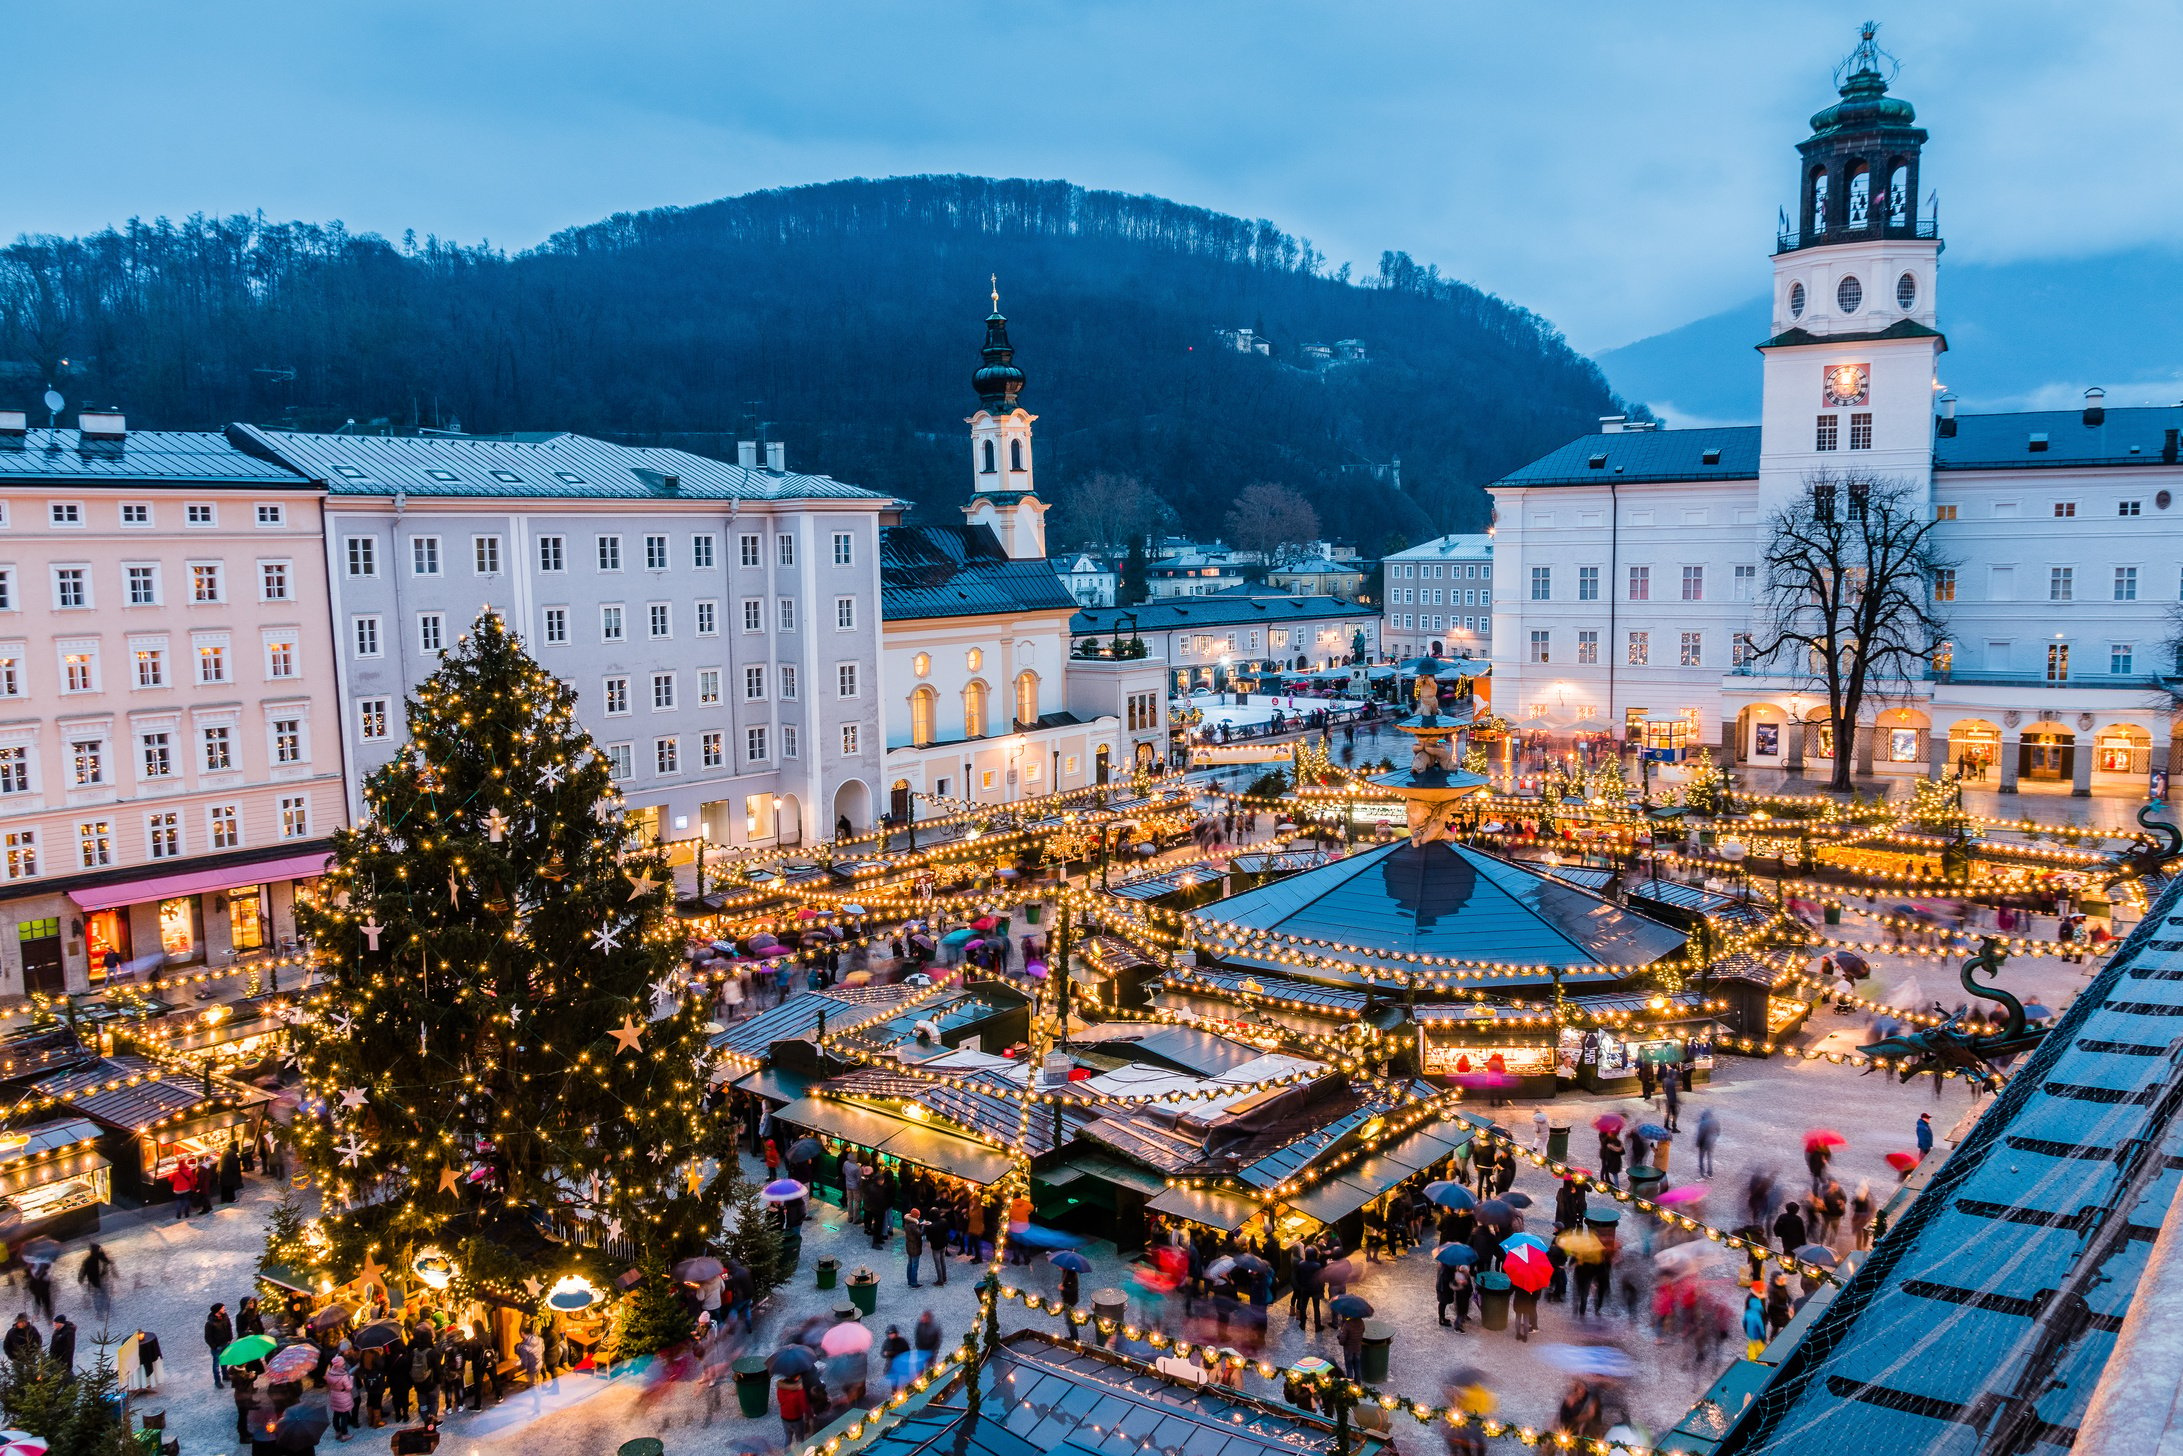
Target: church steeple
x=1000 y=447
x=1859 y=174
x=998 y=380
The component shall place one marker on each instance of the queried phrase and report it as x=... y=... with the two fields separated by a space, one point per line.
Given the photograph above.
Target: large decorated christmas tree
x=503 y=1032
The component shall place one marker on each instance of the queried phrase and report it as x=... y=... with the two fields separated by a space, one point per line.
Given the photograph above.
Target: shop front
x=1611 y=1035
x=132 y=930
x=153 y=1118
x=1508 y=1050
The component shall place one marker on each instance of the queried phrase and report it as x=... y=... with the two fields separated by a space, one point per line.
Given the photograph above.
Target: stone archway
x=1974 y=748
x=788 y=821
x=2047 y=753
x=1762 y=735
x=853 y=802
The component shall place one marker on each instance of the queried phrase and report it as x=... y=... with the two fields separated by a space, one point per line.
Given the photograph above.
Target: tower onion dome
x=1865 y=104
x=998 y=380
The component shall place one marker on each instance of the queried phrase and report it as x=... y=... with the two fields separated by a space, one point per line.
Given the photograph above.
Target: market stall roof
x=1986 y=1316
x=78 y=1163
x=1184 y=1048
x=1584 y=877
x=1660 y=1006
x=950 y=1013
x=1209 y=1206
x=1117 y=1171
x=1768 y=969
x=1282 y=862
x=1345 y=1192
x=1216 y=1093
x=45 y=1139
x=798 y=1017
x=1448 y=901
x=1499 y=1016
x=1306 y=994
x=993 y=1111
x=1698 y=900
x=1168 y=882
x=131 y=1094
x=898 y=1137
x=774 y=1084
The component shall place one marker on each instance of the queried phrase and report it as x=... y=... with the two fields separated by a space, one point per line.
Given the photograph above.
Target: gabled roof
x=195 y=457
x=1223 y=610
x=1632 y=456
x=549 y=466
x=2004 y=442
x=961 y=571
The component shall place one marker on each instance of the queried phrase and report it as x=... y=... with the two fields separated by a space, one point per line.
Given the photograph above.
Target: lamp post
x=704 y=842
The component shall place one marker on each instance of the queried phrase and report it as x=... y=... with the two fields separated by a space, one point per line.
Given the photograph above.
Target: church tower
x=1850 y=367
x=1001 y=486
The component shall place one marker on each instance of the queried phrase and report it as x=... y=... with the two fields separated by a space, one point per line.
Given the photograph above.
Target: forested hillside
x=849 y=315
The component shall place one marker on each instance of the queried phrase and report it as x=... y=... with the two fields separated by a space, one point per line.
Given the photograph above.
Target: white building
x=1091 y=581
x=1630 y=561
x=1439 y=598
x=1201 y=642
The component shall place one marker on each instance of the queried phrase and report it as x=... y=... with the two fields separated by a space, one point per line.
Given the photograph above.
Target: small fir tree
x=652 y=1315
x=494 y=951
x=1705 y=792
x=752 y=1237
x=287 y=1237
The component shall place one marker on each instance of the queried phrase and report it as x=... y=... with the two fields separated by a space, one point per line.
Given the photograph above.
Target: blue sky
x=1616 y=167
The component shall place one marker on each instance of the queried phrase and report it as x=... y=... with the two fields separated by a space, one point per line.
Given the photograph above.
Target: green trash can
x=864 y=1290
x=829 y=1269
x=641 y=1446
x=1379 y=1337
x=1645 y=1181
x=1493 y=1296
x=1557 y=1144
x=1032 y=911
x=1834 y=914
x=753 y=1387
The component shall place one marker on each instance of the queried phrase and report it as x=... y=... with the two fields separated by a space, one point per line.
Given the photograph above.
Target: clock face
x=1846 y=384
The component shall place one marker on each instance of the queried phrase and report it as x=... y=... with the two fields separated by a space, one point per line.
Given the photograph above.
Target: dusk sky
x=1615 y=167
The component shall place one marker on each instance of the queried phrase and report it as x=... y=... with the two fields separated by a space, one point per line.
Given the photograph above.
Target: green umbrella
x=248 y=1349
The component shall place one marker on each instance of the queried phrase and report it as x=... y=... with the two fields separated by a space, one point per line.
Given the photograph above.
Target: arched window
x=991 y=465
x=1860 y=195
x=1026 y=698
x=974 y=710
x=1898 y=196
x=1015 y=454
x=1819 y=200
x=924 y=714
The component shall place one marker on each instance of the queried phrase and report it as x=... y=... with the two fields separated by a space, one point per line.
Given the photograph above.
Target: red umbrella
x=1824 y=1137
x=983 y=922
x=1902 y=1162
x=1528 y=1269
x=1608 y=1122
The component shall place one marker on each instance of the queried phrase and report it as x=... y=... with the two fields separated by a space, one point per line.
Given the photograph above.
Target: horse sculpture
x=1949 y=1047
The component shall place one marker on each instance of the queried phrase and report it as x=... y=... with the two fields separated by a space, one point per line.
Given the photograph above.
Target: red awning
x=199 y=882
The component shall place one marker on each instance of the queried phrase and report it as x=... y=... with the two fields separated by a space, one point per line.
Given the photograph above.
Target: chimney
x=1947 y=425
x=102 y=425
x=746 y=454
x=1611 y=424
x=777 y=456
x=2095 y=406
x=2167 y=448
x=14 y=424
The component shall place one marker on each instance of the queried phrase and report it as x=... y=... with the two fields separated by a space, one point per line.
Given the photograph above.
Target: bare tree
x=1107 y=509
x=1273 y=521
x=1849 y=580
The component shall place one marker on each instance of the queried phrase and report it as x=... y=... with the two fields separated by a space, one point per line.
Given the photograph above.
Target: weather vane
x=996 y=281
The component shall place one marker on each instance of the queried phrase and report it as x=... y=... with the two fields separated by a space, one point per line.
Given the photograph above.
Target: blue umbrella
x=1033 y=1237
x=1523 y=1241
x=783 y=1190
x=1456 y=1254
x=1588 y=1359
x=1069 y=1259
x=958 y=937
x=1451 y=1195
x=1653 y=1132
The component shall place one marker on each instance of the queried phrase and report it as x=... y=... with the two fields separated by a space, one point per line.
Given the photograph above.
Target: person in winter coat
x=249 y=1318
x=913 y=1242
x=201 y=1183
x=183 y=1180
x=244 y=1386
x=1444 y=1291
x=1754 y=1322
x=926 y=1337
x=219 y=1334
x=1789 y=1229
x=231 y=1173
x=341 y=1397
x=1610 y=1159
x=1709 y=1133
x=424 y=1373
x=22 y=1339
x=61 y=1349
x=1351 y=1331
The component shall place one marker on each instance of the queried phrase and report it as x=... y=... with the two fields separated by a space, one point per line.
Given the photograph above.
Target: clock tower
x=1001 y=494
x=1850 y=366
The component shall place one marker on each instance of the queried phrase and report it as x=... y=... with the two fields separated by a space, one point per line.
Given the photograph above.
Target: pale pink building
x=170 y=753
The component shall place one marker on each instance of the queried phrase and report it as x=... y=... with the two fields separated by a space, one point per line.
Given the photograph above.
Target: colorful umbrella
x=983 y=922
x=1458 y=1255
x=293 y=1363
x=1523 y=1241
x=247 y=1349
x=1682 y=1193
x=1528 y=1269
x=1608 y=1122
x=1071 y=1259
x=1604 y=1360
x=1653 y=1132
x=21 y=1443
x=846 y=1338
x=1824 y=1137
x=1902 y=1162
x=792 y=1360
x=1819 y=1254
x=782 y=1190
x=1451 y=1195
x=1581 y=1244
x=698 y=1270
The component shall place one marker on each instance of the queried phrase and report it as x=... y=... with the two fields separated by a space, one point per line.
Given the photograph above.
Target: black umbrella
x=792 y=1360
x=804 y=1150
x=376 y=1334
x=1496 y=1211
x=1351 y=1306
x=300 y=1427
x=1252 y=1265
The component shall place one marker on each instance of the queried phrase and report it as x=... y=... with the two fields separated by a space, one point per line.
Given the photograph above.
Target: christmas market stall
x=1184 y=887
x=1760 y=998
x=962 y=1128
x=1217 y=994
x=1510 y=1049
x=1603 y=1038
x=241 y=1038
x=53 y=1179
x=152 y=1117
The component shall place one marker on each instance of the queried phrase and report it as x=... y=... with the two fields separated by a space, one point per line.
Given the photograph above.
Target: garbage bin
x=641 y=1446
x=753 y=1388
x=864 y=1290
x=1493 y=1297
x=1834 y=914
x=1032 y=911
x=1645 y=1181
x=1557 y=1144
x=1379 y=1336
x=846 y=1312
x=1111 y=1305
x=829 y=1269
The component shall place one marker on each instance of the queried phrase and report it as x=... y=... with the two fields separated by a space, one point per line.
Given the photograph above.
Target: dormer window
x=1710 y=457
x=1598 y=462
x=446 y=476
x=2038 y=442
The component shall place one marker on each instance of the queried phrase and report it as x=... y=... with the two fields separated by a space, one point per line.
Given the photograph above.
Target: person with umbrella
x=1350 y=1311
x=244 y=1387
x=1072 y=1266
x=1818 y=1152
x=96 y=1274
x=219 y=1334
x=1449 y=1276
x=1610 y=1155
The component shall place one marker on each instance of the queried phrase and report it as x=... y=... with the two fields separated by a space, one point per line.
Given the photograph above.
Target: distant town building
x=1439 y=598
x=1244 y=341
x=1202 y=641
x=1091 y=581
x=1318 y=576
x=1196 y=574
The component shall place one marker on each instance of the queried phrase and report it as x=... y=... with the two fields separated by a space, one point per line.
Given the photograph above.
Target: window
x=363 y=556
x=1539 y=645
x=786 y=550
x=754 y=745
x=1740 y=651
x=1826 y=436
x=367 y=636
x=1944 y=658
x=711 y=749
x=22 y=853
x=143 y=584
x=11 y=673
x=95 y=839
x=280 y=657
x=7 y=590
x=788 y=614
x=748 y=547
x=620 y=761
x=708 y=686
x=708 y=619
x=974 y=710
x=845 y=680
x=655 y=553
x=1693 y=649
x=485 y=552
x=663 y=691
x=844 y=555
x=65 y=513
x=1693 y=583
x=1944 y=513
x=659 y=619
x=431 y=631
x=212 y=661
x=424 y=556
x=87 y=762
x=2057 y=662
x=164 y=831
x=845 y=613
x=1640 y=649
x=552 y=553
x=1588 y=649
x=136 y=513
x=1860 y=431
x=2129 y=508
x=754 y=617
x=788 y=740
x=617 y=696
x=1027 y=697
x=1849 y=294
x=295 y=818
x=2063 y=510
x=754 y=684
x=71 y=586
x=1587 y=583
x=14 y=770
x=610 y=553
x=79 y=671
x=1944 y=584
x=272 y=581
x=1640 y=583
x=788 y=684
x=2126 y=583
x=372 y=719
x=198 y=515
x=2121 y=658
x=556 y=625
x=271 y=515
x=226 y=825
x=701 y=552
x=151 y=667
x=219 y=746
x=667 y=755
x=610 y=624
x=1542 y=583
x=205 y=581
x=849 y=740
x=2062 y=584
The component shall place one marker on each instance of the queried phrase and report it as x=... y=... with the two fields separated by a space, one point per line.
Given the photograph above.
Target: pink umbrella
x=1682 y=1193
x=846 y=1338
x=1608 y=1122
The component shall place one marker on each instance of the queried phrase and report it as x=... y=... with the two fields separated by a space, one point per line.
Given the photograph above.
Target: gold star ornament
x=629 y=1035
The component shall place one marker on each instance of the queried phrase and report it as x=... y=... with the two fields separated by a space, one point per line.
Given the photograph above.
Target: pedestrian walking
x=1350 y=1330
x=1754 y=1322
x=926 y=1338
x=1789 y=1229
x=38 y=1277
x=913 y=1242
x=1860 y=1206
x=231 y=1172
x=61 y=1348
x=341 y=1396
x=249 y=1318
x=1816 y=1158
x=852 y=1186
x=96 y=1274
x=1539 y=1129
x=1671 y=1092
x=1610 y=1159
x=219 y=1334
x=1925 y=1130
x=1709 y=1133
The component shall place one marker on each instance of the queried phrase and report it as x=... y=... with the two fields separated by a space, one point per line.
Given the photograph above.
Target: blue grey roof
x=1996 y=1298
x=1223 y=610
x=1998 y=442
x=195 y=457
x=1646 y=455
x=1450 y=900
x=541 y=466
x=961 y=571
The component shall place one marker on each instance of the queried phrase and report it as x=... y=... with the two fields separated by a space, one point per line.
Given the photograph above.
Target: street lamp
x=704 y=842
